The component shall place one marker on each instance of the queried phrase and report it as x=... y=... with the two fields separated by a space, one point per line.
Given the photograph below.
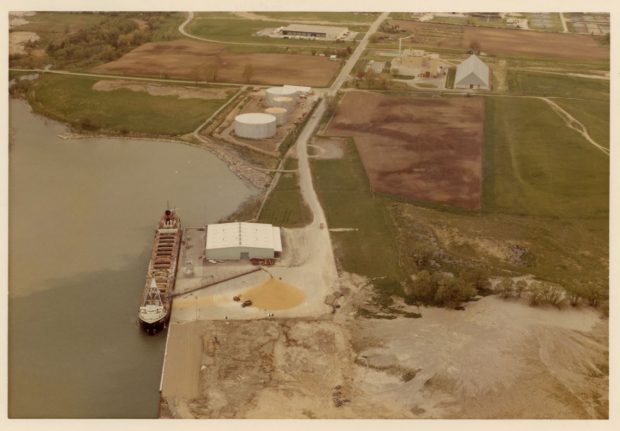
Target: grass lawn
x=243 y=30
x=72 y=100
x=285 y=205
x=541 y=84
x=334 y=17
x=594 y=114
x=344 y=192
x=535 y=165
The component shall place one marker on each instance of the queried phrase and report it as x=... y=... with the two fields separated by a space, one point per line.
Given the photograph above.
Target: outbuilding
x=239 y=241
x=472 y=73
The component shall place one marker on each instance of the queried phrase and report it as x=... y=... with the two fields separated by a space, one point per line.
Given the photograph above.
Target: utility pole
x=400 y=42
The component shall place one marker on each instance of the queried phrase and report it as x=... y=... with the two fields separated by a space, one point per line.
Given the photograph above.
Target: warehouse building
x=306 y=31
x=472 y=73
x=238 y=241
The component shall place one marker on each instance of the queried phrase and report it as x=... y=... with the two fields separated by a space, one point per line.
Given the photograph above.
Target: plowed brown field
x=421 y=148
x=188 y=59
x=506 y=41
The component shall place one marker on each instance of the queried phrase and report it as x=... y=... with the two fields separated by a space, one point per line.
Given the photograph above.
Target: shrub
x=506 y=288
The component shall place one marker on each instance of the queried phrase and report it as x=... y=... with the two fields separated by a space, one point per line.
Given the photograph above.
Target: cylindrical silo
x=279 y=113
x=284 y=102
x=274 y=92
x=255 y=125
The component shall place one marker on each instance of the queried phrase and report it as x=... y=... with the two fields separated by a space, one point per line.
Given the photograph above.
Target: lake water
x=82 y=215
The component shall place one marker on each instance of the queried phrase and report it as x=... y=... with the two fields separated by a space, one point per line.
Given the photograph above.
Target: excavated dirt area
x=162 y=90
x=427 y=149
x=496 y=359
x=188 y=59
x=506 y=41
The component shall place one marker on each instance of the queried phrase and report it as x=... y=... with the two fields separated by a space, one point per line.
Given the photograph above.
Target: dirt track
x=189 y=59
x=422 y=148
x=507 y=41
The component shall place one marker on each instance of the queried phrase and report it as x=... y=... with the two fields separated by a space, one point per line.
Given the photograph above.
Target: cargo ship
x=156 y=303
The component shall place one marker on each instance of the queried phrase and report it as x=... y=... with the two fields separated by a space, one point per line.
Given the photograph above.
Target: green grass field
x=242 y=31
x=548 y=85
x=333 y=17
x=72 y=100
x=594 y=114
x=285 y=205
x=535 y=165
x=344 y=192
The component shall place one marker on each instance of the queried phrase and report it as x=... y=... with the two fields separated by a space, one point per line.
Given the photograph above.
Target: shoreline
x=253 y=178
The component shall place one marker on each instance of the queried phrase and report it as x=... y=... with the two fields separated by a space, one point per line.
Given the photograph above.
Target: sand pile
x=274 y=294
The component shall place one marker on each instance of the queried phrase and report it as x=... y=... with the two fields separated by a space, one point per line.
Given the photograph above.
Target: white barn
x=238 y=241
x=472 y=73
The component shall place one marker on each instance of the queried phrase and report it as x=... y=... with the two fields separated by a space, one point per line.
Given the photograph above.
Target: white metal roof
x=308 y=28
x=255 y=118
x=282 y=91
x=298 y=88
x=473 y=65
x=255 y=235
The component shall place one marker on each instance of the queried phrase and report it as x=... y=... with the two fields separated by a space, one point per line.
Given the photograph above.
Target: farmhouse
x=472 y=73
x=314 y=31
x=235 y=241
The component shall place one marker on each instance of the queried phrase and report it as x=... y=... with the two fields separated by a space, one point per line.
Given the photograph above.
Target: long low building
x=238 y=241
x=314 y=31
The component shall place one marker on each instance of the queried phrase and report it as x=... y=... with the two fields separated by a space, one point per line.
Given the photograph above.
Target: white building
x=307 y=31
x=472 y=73
x=237 y=241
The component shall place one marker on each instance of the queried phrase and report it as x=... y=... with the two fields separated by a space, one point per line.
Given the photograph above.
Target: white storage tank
x=255 y=125
x=274 y=92
x=279 y=113
x=284 y=102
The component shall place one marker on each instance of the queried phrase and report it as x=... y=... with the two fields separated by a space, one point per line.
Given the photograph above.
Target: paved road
x=563 y=22
x=305 y=176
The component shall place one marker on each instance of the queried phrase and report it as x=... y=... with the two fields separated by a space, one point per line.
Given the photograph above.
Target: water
x=82 y=215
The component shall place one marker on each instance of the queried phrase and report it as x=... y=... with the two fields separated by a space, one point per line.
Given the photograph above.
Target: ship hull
x=161 y=273
x=152 y=328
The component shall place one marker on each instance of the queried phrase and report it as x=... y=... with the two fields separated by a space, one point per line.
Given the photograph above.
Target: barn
x=472 y=73
x=239 y=241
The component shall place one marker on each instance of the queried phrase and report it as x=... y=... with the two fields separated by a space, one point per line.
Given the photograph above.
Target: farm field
x=285 y=206
x=548 y=85
x=594 y=114
x=74 y=100
x=424 y=149
x=190 y=59
x=506 y=41
x=536 y=166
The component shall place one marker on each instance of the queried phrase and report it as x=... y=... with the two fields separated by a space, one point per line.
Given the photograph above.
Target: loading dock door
x=245 y=255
